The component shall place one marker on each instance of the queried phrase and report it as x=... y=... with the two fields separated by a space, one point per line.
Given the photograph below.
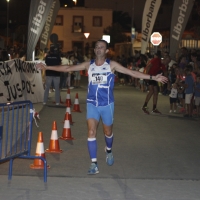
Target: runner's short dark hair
x=101 y=40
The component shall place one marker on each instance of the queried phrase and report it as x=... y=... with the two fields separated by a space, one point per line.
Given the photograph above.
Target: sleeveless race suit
x=100 y=84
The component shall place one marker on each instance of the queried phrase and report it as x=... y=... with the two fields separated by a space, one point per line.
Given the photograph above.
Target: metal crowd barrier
x=16 y=132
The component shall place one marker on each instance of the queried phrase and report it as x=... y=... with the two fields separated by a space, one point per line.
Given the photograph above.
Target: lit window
x=78 y=24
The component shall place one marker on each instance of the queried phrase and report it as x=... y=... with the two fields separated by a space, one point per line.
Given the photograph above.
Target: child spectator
x=197 y=95
x=180 y=80
x=130 y=78
x=173 y=98
x=189 y=89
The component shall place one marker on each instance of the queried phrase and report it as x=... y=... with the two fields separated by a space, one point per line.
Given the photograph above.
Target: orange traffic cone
x=76 y=105
x=54 y=146
x=38 y=163
x=68 y=110
x=68 y=98
x=66 y=134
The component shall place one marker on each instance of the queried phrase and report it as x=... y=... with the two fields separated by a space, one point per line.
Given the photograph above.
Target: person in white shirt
x=173 y=98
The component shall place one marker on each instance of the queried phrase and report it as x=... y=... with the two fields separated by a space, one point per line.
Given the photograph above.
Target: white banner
x=20 y=81
x=46 y=32
x=180 y=16
x=39 y=10
x=149 y=16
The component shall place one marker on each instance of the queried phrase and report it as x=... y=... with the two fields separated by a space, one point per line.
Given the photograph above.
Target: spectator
x=189 y=89
x=52 y=59
x=153 y=68
x=197 y=95
x=63 y=75
x=173 y=98
x=70 y=74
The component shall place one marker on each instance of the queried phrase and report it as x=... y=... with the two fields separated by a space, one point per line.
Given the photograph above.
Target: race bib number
x=99 y=78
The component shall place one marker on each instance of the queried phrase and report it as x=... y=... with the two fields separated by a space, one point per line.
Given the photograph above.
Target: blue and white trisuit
x=100 y=100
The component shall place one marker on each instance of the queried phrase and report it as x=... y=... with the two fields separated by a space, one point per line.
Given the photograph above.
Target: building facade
x=72 y=24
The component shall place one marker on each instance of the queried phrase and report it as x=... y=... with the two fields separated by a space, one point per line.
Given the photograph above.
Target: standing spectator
x=184 y=53
x=195 y=63
x=130 y=78
x=41 y=57
x=77 y=77
x=180 y=80
x=52 y=59
x=153 y=68
x=22 y=55
x=189 y=89
x=197 y=95
x=71 y=75
x=63 y=75
x=183 y=62
x=141 y=81
x=165 y=62
x=173 y=98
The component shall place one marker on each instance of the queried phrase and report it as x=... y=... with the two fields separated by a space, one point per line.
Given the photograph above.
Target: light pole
x=132 y=30
x=7 y=21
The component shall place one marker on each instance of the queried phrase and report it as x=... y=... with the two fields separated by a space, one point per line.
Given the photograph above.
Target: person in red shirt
x=153 y=68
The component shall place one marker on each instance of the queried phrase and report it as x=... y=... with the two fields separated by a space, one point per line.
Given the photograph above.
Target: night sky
x=19 y=11
x=3 y=3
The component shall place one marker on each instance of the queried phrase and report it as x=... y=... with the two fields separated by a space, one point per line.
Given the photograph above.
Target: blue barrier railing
x=16 y=133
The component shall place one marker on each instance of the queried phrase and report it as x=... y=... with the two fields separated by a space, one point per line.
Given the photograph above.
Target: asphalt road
x=157 y=157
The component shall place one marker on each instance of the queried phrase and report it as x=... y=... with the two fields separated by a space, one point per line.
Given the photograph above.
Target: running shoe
x=170 y=111
x=109 y=159
x=93 y=169
x=145 y=110
x=155 y=111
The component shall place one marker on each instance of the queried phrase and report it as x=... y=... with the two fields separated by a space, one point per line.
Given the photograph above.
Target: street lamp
x=132 y=30
x=75 y=1
x=7 y=21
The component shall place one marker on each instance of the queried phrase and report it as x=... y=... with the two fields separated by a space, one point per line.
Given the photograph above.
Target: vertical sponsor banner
x=39 y=10
x=149 y=16
x=46 y=32
x=180 y=15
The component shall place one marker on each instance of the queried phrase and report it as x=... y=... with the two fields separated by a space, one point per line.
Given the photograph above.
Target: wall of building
x=65 y=32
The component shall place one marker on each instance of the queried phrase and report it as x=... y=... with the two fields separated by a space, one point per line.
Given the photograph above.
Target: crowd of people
x=178 y=72
x=183 y=73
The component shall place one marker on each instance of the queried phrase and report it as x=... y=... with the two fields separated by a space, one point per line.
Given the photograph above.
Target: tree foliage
x=123 y=19
x=121 y=23
x=116 y=34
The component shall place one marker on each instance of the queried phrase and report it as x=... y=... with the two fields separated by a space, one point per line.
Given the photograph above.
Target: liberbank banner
x=39 y=10
x=180 y=15
x=149 y=16
x=46 y=32
x=20 y=81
